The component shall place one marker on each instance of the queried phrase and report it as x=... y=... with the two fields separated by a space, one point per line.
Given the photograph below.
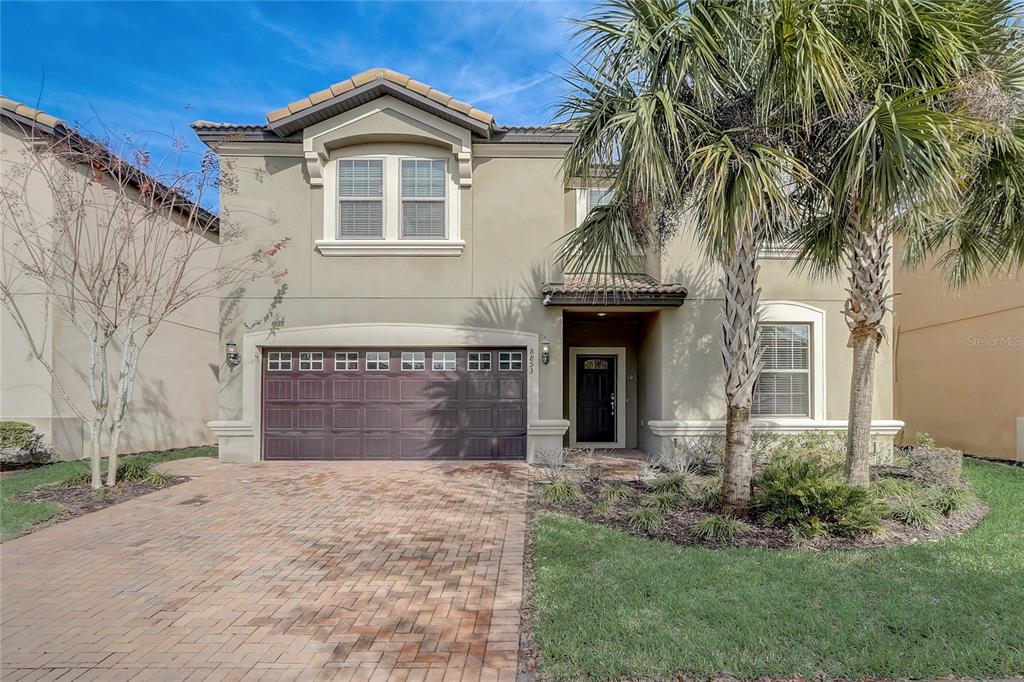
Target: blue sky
x=151 y=68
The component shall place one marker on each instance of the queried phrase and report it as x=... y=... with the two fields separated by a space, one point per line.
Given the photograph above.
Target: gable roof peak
x=288 y=119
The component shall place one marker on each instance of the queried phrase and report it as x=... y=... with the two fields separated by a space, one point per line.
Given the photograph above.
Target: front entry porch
x=603 y=367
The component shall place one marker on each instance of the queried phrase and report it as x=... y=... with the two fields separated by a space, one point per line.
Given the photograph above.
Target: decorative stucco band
x=676 y=428
x=883 y=431
x=240 y=441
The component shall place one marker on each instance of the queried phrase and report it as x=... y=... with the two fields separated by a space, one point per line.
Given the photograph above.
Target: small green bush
x=948 y=500
x=603 y=508
x=663 y=501
x=615 y=493
x=560 y=491
x=894 y=487
x=923 y=440
x=915 y=513
x=679 y=483
x=20 y=443
x=18 y=435
x=646 y=519
x=719 y=528
x=806 y=496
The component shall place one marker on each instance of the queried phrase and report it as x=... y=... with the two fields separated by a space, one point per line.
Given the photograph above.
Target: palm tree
x=667 y=107
x=909 y=128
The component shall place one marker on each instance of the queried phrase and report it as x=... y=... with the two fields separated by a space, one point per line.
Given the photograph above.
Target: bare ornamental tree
x=116 y=248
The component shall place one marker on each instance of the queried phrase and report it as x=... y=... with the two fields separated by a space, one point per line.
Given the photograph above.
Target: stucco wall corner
x=544 y=434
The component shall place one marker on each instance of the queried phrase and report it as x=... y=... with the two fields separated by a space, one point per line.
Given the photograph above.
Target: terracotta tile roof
x=399 y=79
x=612 y=284
x=79 y=146
x=28 y=112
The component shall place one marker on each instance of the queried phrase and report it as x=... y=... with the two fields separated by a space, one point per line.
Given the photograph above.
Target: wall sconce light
x=231 y=353
x=545 y=351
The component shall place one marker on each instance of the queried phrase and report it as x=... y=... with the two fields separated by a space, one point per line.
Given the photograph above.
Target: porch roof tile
x=613 y=290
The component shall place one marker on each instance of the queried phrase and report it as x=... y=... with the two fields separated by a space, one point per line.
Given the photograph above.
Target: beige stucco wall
x=690 y=336
x=960 y=362
x=511 y=214
x=175 y=393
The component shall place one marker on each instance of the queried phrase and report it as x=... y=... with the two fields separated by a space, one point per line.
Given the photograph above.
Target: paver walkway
x=354 y=570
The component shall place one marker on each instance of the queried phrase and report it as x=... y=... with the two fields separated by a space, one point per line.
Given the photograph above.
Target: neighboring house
x=176 y=391
x=424 y=317
x=960 y=361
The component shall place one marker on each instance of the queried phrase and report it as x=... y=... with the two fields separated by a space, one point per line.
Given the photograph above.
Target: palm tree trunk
x=858 y=435
x=741 y=355
x=865 y=312
x=738 y=472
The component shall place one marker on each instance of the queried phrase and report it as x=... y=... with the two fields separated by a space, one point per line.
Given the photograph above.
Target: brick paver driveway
x=354 y=570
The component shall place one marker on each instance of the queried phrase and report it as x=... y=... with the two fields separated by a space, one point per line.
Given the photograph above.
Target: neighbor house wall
x=175 y=393
x=960 y=361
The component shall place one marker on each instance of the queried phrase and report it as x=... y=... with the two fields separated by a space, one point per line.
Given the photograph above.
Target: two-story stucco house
x=424 y=315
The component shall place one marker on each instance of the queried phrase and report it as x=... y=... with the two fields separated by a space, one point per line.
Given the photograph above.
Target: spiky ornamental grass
x=710 y=493
x=949 y=500
x=647 y=519
x=559 y=492
x=894 y=487
x=719 y=528
x=679 y=483
x=664 y=501
x=915 y=513
x=615 y=493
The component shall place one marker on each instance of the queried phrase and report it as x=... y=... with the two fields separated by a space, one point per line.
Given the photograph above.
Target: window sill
x=380 y=247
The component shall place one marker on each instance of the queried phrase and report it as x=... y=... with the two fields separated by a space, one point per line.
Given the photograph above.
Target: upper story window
x=360 y=199
x=597 y=197
x=587 y=199
x=784 y=386
x=391 y=199
x=423 y=198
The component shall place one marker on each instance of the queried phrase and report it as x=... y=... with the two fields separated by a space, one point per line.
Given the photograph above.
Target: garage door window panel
x=346 y=362
x=413 y=361
x=278 y=361
x=443 y=362
x=378 y=361
x=510 y=362
x=479 y=362
x=311 y=362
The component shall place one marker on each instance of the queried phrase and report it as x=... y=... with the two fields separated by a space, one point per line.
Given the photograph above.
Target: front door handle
x=613 y=403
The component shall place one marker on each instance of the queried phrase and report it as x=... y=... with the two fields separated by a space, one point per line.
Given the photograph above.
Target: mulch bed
x=81 y=499
x=678 y=522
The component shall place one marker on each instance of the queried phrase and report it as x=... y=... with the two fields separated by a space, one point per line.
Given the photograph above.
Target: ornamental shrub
x=20 y=443
x=807 y=496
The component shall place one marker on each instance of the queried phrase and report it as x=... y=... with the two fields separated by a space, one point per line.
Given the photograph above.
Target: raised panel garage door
x=397 y=403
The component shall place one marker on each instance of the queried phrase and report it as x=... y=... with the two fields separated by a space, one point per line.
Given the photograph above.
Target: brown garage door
x=397 y=403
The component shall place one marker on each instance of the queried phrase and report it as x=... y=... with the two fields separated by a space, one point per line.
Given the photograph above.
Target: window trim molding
x=783 y=312
x=392 y=243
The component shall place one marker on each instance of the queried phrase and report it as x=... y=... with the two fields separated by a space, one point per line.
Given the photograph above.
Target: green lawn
x=609 y=605
x=16 y=516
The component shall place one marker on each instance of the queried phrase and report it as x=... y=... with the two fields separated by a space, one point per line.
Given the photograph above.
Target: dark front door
x=595 y=398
